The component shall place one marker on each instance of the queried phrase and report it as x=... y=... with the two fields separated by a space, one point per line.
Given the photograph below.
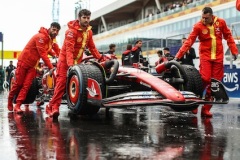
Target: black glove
x=234 y=56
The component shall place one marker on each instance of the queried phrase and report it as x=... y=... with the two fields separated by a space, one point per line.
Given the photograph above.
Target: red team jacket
x=76 y=40
x=37 y=47
x=210 y=37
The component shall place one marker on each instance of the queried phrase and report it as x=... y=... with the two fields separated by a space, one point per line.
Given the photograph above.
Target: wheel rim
x=74 y=89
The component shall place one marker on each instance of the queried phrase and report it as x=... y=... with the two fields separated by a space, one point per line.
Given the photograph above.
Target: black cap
x=167 y=49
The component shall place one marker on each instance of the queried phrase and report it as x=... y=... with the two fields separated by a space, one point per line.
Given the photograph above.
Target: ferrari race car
x=92 y=85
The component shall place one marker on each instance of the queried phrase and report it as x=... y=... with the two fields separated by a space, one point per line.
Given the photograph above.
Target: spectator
x=189 y=1
x=188 y=56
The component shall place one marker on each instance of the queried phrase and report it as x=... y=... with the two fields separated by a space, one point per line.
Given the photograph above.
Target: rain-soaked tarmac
x=132 y=133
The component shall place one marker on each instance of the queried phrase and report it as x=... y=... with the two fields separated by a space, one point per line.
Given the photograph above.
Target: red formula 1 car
x=92 y=85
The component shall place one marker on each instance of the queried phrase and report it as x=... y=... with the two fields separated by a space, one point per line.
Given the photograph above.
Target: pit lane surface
x=133 y=133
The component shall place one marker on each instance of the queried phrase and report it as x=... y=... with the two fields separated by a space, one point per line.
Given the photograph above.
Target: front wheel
x=192 y=83
x=85 y=89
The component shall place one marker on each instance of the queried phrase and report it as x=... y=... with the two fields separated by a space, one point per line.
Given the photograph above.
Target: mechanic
x=37 y=47
x=167 y=54
x=136 y=53
x=126 y=55
x=210 y=32
x=188 y=57
x=9 y=69
x=161 y=57
x=77 y=37
x=112 y=49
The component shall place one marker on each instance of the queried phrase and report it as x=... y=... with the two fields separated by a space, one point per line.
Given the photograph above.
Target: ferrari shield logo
x=92 y=91
x=79 y=39
x=93 y=88
x=205 y=31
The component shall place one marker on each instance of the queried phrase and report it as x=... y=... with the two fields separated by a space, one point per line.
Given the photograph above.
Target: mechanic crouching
x=77 y=37
x=37 y=47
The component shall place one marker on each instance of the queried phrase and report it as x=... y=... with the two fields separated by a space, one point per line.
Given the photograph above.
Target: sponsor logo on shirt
x=217 y=30
x=41 y=40
x=70 y=34
x=205 y=31
x=79 y=39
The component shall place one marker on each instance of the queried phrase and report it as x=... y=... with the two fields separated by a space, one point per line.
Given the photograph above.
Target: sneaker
x=55 y=113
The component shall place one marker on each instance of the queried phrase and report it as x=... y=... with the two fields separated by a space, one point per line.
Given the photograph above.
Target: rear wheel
x=77 y=84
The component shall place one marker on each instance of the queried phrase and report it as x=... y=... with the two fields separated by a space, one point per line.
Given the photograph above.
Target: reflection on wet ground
x=133 y=133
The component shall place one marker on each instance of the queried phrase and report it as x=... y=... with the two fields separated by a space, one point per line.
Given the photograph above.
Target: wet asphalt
x=149 y=132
